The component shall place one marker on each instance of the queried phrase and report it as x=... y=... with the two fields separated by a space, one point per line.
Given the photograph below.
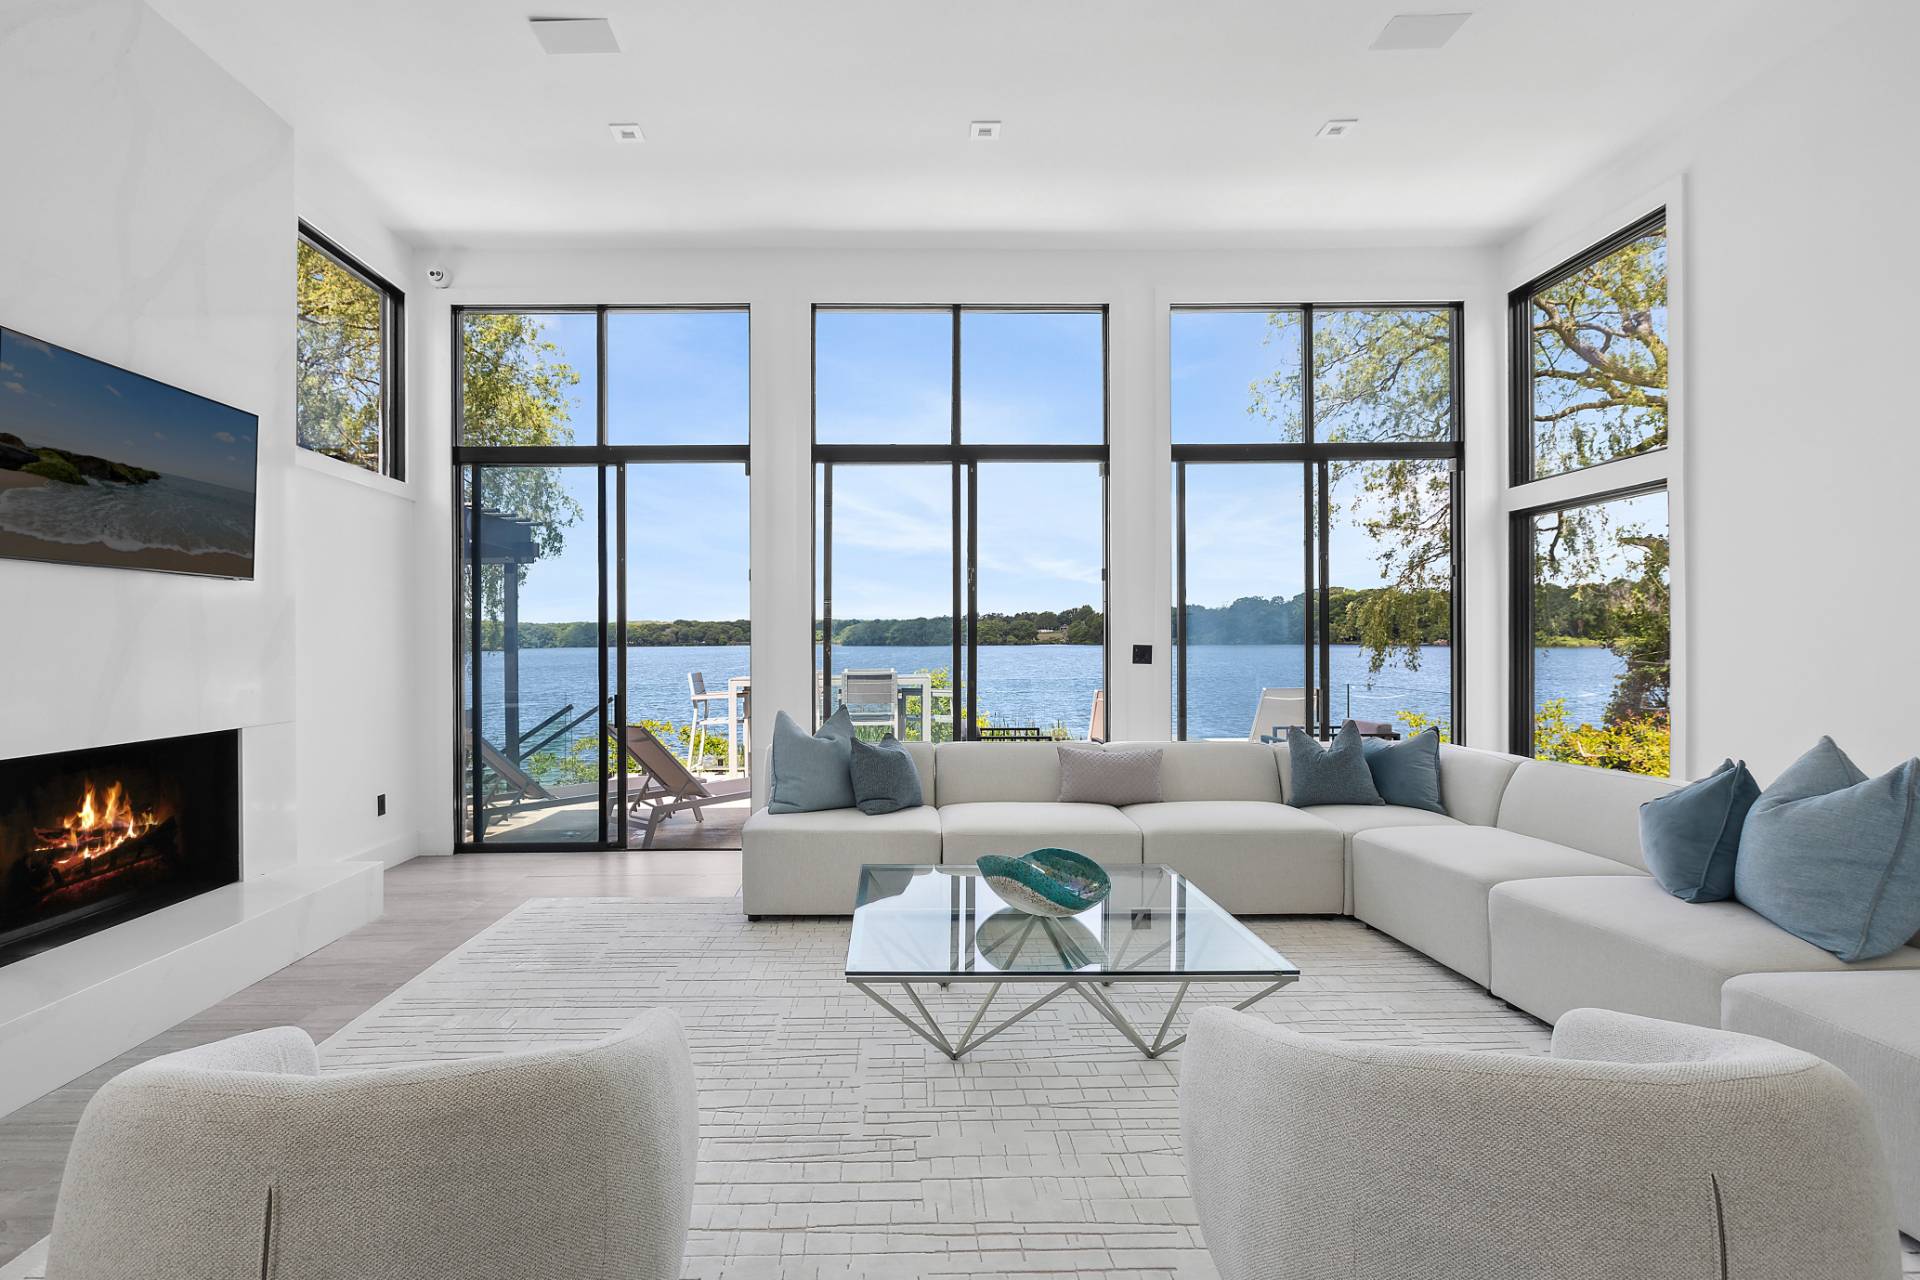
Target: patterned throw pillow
x=1089 y=775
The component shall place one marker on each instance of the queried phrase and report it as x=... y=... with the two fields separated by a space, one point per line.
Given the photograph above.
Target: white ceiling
x=808 y=121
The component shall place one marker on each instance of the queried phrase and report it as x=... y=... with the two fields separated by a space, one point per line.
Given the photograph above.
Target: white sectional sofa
x=1531 y=884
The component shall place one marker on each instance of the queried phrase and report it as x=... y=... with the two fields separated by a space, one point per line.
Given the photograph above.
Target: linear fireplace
x=91 y=838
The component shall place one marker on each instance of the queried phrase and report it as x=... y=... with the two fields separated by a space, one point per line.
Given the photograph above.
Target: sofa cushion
x=1099 y=831
x=1089 y=775
x=1625 y=943
x=1833 y=856
x=1866 y=1024
x=1407 y=773
x=1428 y=886
x=1214 y=770
x=1250 y=856
x=811 y=772
x=1595 y=810
x=808 y=864
x=981 y=772
x=1473 y=781
x=1689 y=837
x=885 y=777
x=1352 y=819
x=1336 y=773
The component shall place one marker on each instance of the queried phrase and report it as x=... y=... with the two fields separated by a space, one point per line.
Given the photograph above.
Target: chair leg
x=653 y=824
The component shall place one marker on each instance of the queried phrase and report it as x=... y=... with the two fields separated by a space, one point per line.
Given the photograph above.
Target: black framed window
x=960 y=463
x=1317 y=455
x=1593 y=653
x=603 y=550
x=349 y=361
x=1589 y=358
x=1590 y=588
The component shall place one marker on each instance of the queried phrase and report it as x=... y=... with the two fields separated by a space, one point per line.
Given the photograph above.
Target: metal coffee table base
x=927 y=1027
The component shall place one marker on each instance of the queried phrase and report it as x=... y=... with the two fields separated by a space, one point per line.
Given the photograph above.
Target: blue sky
x=58 y=398
x=885 y=377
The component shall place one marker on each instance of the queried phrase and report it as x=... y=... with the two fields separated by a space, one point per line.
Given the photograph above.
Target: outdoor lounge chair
x=505 y=782
x=1278 y=711
x=666 y=786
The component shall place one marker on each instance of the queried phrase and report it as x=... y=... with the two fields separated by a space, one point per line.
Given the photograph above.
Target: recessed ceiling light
x=1336 y=128
x=574 y=35
x=1419 y=30
x=984 y=131
x=626 y=133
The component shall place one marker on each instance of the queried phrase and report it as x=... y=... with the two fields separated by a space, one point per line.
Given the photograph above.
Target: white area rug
x=835 y=1143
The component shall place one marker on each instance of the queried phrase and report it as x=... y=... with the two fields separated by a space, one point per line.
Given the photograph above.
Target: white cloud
x=14 y=387
x=113 y=390
x=224 y=437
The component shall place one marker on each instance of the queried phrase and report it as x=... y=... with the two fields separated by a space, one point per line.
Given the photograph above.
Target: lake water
x=1046 y=685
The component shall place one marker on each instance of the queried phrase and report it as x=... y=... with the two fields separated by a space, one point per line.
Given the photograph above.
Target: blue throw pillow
x=1407 y=773
x=1691 y=837
x=1833 y=856
x=812 y=771
x=884 y=777
x=1337 y=774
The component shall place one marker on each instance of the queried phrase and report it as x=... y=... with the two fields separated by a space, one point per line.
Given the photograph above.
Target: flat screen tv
x=102 y=466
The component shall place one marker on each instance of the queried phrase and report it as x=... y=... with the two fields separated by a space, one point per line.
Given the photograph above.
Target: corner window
x=347 y=358
x=1592 y=608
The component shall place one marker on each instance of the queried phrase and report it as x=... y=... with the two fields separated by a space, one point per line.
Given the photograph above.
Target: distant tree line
x=640 y=635
x=1081 y=625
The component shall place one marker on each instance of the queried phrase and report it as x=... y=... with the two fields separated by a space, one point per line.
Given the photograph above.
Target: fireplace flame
x=99 y=826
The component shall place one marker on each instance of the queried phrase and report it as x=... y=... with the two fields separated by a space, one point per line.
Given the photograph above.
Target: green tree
x=338 y=360
x=515 y=389
x=1599 y=344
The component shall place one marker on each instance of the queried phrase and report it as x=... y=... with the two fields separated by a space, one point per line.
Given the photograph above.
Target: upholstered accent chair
x=1639 y=1150
x=238 y=1161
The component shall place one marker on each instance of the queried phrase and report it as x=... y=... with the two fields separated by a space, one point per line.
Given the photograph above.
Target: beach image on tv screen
x=105 y=467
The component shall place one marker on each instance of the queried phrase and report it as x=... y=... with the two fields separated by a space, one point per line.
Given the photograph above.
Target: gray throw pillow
x=884 y=777
x=1407 y=773
x=1833 y=856
x=1090 y=775
x=1337 y=774
x=1690 y=838
x=812 y=771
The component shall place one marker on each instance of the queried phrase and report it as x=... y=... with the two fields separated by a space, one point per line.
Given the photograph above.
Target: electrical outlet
x=380 y=805
x=1143 y=655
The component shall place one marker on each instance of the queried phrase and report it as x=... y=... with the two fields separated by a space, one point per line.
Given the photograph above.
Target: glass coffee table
x=945 y=926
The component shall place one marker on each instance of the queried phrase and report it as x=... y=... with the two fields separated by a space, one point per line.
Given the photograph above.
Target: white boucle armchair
x=237 y=1161
x=1639 y=1150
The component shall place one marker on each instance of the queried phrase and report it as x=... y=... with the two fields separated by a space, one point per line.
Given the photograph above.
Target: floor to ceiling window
x=960 y=488
x=604 y=571
x=1316 y=453
x=1592 y=608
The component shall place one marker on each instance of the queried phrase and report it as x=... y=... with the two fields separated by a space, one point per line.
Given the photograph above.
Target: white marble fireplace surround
x=151 y=223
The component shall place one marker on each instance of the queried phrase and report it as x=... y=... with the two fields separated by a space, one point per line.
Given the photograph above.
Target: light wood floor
x=432 y=906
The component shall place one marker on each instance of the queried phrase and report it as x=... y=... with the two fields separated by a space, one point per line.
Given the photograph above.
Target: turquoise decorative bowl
x=1047 y=882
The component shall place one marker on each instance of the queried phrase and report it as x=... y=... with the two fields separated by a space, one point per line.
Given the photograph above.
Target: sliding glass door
x=960 y=494
x=603 y=579
x=1316 y=451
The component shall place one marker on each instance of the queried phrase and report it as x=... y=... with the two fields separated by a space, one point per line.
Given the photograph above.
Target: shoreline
x=215 y=564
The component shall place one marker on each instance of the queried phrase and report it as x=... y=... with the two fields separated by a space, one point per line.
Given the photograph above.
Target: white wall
x=353 y=576
x=1802 y=443
x=781 y=287
x=149 y=221
x=145 y=222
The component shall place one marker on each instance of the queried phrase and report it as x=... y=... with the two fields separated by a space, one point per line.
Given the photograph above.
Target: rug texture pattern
x=836 y=1143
